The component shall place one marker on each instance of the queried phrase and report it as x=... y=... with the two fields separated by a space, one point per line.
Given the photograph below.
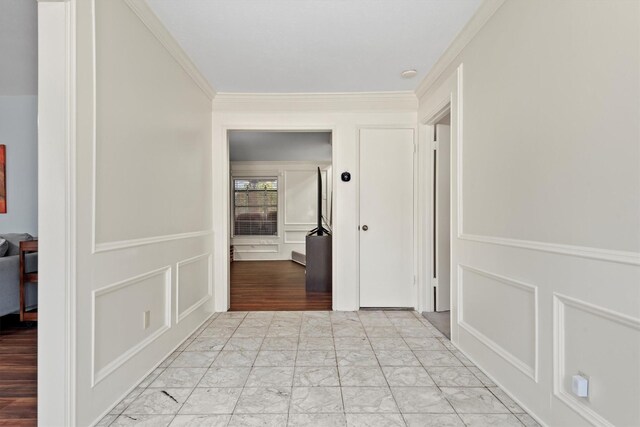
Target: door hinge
x=434 y=282
x=434 y=145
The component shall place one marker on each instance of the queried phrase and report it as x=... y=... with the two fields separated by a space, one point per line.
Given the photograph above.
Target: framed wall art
x=3 y=179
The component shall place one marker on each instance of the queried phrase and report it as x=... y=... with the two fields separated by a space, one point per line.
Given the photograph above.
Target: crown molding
x=152 y=22
x=339 y=101
x=486 y=10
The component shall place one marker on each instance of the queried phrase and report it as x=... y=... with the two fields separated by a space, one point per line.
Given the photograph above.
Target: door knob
x=365 y=227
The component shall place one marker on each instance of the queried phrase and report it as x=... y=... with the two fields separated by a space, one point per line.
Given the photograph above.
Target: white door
x=386 y=218
x=442 y=217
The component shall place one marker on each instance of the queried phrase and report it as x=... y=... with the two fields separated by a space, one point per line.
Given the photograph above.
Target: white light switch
x=580 y=386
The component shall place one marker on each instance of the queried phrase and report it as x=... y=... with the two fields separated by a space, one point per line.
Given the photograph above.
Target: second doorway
x=281 y=190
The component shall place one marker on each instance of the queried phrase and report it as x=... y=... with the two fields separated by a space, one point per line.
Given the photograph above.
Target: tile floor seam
x=194 y=388
x=395 y=401
x=335 y=354
x=233 y=411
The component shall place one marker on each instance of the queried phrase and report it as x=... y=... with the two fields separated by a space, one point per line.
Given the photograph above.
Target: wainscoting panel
x=604 y=346
x=255 y=248
x=511 y=330
x=194 y=284
x=300 y=197
x=119 y=334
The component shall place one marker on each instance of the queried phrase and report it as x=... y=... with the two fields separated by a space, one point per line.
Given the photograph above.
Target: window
x=255 y=206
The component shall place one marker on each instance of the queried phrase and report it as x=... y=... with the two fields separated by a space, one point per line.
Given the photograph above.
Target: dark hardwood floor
x=273 y=285
x=18 y=372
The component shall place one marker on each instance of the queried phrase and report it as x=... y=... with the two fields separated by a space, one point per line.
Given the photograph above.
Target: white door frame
x=426 y=203
x=56 y=212
x=222 y=284
x=447 y=99
x=437 y=201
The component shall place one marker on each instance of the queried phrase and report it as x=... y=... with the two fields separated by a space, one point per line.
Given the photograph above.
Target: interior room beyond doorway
x=281 y=190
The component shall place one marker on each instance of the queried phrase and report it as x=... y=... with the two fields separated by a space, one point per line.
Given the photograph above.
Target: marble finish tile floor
x=317 y=368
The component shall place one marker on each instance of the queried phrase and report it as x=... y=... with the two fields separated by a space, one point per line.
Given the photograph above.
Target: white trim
x=486 y=10
x=57 y=141
x=459 y=150
x=71 y=214
x=71 y=366
x=180 y=316
x=621 y=257
x=295 y=165
x=559 y=303
x=437 y=113
x=529 y=371
x=155 y=26
x=94 y=126
x=257 y=251
x=347 y=101
x=97 y=376
x=124 y=244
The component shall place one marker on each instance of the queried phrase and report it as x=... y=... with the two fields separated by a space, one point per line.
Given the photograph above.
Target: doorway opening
x=280 y=228
x=441 y=225
x=19 y=213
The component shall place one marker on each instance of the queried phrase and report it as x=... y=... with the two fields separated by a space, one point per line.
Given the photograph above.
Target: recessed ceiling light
x=408 y=74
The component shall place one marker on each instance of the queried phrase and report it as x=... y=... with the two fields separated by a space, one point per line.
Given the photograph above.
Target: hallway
x=366 y=368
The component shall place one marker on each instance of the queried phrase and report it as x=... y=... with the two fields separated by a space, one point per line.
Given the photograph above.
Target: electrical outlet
x=580 y=385
x=146 y=319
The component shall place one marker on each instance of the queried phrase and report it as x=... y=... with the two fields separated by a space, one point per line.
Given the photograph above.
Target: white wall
x=19 y=47
x=297 y=207
x=546 y=204
x=249 y=146
x=19 y=114
x=139 y=216
x=19 y=132
x=342 y=114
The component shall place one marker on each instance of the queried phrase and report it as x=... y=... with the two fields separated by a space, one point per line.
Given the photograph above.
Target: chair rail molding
x=622 y=257
x=124 y=244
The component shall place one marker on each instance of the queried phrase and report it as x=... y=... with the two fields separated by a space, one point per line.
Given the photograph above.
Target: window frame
x=265 y=177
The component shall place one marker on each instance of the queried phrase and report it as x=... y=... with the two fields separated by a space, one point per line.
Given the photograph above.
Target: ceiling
x=292 y=46
x=18 y=47
x=247 y=146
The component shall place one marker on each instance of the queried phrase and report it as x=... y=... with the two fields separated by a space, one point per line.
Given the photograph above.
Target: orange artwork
x=3 y=180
